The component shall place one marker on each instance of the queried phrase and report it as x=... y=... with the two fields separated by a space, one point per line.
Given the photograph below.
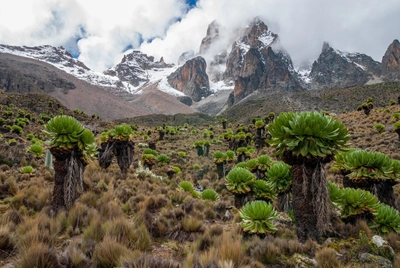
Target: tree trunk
x=220 y=169
x=310 y=196
x=124 y=153
x=68 y=177
x=206 y=150
x=106 y=154
x=200 y=151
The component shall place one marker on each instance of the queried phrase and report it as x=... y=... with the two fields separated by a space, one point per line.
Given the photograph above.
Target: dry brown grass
x=326 y=257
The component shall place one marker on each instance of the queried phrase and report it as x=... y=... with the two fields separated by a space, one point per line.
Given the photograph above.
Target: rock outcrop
x=337 y=69
x=257 y=62
x=191 y=79
x=134 y=66
x=185 y=56
x=391 y=62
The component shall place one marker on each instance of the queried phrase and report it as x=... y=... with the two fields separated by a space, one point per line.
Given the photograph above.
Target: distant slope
x=30 y=75
x=331 y=100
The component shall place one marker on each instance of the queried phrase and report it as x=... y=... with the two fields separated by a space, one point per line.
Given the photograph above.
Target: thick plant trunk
x=206 y=150
x=68 y=178
x=124 y=152
x=383 y=189
x=284 y=202
x=200 y=151
x=310 y=197
x=106 y=154
x=220 y=169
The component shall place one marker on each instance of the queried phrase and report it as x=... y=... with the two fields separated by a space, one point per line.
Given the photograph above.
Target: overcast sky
x=98 y=32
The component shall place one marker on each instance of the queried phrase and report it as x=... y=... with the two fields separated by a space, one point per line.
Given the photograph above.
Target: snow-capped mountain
x=63 y=60
x=250 y=61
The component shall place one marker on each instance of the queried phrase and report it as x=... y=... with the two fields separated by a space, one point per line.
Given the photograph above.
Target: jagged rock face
x=254 y=65
x=211 y=36
x=191 y=79
x=218 y=55
x=133 y=66
x=185 y=56
x=334 y=69
x=391 y=62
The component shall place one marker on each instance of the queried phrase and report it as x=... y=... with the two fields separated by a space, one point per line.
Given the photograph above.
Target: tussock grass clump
x=108 y=253
x=7 y=241
x=38 y=255
x=326 y=257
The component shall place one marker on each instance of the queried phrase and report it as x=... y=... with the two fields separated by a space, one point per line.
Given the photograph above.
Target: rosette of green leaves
x=309 y=134
x=279 y=174
x=335 y=194
x=186 y=186
x=36 y=149
x=64 y=131
x=364 y=165
x=252 y=164
x=230 y=155
x=209 y=194
x=122 y=132
x=219 y=157
x=240 y=180
x=257 y=217
x=259 y=124
x=386 y=219
x=150 y=151
x=264 y=162
x=264 y=190
x=87 y=145
x=357 y=201
x=163 y=159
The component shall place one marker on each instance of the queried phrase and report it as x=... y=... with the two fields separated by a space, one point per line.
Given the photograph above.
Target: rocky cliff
x=257 y=62
x=391 y=62
x=191 y=79
x=337 y=69
x=134 y=67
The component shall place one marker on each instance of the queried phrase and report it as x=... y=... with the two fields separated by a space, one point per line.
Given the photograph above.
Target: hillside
x=144 y=220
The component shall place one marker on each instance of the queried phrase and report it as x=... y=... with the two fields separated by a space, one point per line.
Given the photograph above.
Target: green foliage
x=309 y=134
x=150 y=151
x=364 y=165
x=36 y=149
x=163 y=159
x=27 y=170
x=387 y=219
x=264 y=162
x=264 y=190
x=280 y=176
x=257 y=217
x=219 y=157
x=66 y=132
x=396 y=125
x=30 y=136
x=259 y=124
x=351 y=201
x=252 y=164
x=176 y=169
x=230 y=155
x=239 y=180
x=396 y=115
x=379 y=127
x=121 y=132
x=186 y=186
x=209 y=194
x=16 y=129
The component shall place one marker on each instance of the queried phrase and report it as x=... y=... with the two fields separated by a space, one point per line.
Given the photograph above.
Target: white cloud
x=106 y=28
